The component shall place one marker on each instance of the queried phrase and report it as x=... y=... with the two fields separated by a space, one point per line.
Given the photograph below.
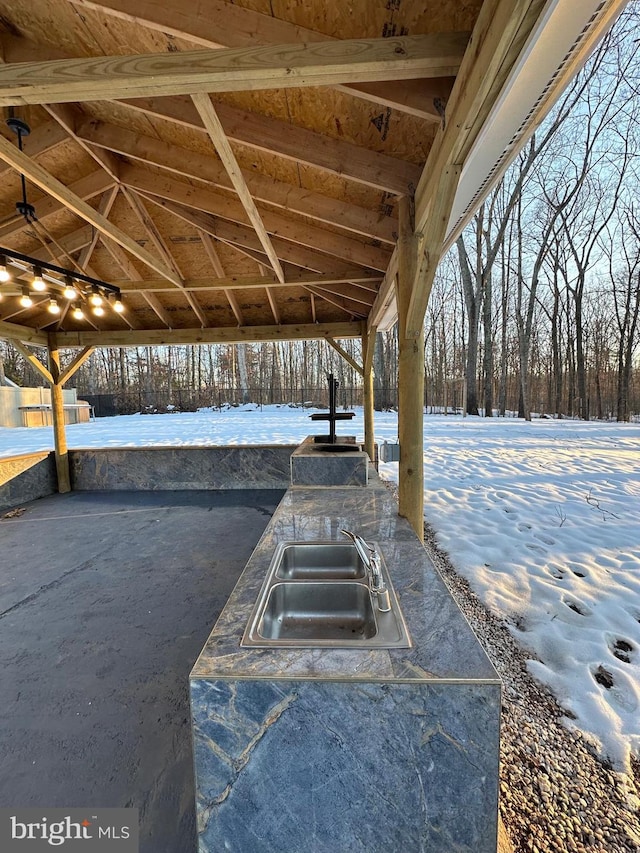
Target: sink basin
x=316 y=594
x=318 y=560
x=318 y=611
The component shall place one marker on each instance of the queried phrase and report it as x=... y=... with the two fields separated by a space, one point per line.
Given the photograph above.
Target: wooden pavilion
x=263 y=170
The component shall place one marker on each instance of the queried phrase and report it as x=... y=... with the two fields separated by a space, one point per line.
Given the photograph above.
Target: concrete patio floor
x=106 y=599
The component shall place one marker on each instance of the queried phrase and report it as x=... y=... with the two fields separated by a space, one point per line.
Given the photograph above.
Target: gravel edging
x=555 y=795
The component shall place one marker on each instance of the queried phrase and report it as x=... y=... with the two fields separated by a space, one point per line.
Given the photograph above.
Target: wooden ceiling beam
x=281 y=66
x=359 y=369
x=274 y=306
x=15 y=332
x=121 y=258
x=104 y=207
x=241 y=237
x=33 y=360
x=216 y=134
x=348 y=248
x=51 y=185
x=193 y=165
x=67 y=118
x=214 y=258
x=227 y=334
x=158 y=308
x=275 y=137
x=361 y=297
x=353 y=309
x=76 y=241
x=345 y=159
x=425 y=99
x=238 y=282
x=500 y=32
x=247 y=28
x=136 y=204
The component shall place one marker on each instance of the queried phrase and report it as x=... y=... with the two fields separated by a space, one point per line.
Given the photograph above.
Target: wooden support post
x=410 y=380
x=57 y=410
x=368 y=346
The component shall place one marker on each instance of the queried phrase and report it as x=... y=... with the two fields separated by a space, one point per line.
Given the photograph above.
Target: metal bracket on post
x=389 y=452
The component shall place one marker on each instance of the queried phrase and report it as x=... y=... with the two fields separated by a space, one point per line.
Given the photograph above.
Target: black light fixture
x=58 y=281
x=72 y=285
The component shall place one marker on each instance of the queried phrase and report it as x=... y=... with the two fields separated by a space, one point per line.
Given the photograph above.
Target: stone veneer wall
x=173 y=468
x=26 y=478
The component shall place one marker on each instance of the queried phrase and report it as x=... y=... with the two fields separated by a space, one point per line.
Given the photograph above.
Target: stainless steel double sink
x=316 y=594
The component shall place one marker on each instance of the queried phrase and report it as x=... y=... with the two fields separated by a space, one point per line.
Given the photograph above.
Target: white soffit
x=551 y=44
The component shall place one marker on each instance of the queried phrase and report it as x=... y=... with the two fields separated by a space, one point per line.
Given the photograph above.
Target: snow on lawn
x=542 y=518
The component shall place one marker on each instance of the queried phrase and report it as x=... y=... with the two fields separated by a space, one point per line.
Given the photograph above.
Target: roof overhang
x=557 y=48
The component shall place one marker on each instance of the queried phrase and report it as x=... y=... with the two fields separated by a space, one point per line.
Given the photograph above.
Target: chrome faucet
x=371 y=560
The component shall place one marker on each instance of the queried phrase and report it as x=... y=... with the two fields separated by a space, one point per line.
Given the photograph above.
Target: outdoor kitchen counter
x=304 y=749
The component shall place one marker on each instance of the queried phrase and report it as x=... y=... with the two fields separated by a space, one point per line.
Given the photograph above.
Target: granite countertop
x=444 y=647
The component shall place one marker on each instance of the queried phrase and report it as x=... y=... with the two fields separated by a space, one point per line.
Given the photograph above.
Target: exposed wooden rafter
x=193 y=165
x=220 y=335
x=275 y=137
x=51 y=185
x=246 y=28
x=212 y=254
x=266 y=133
x=242 y=237
x=136 y=204
x=232 y=69
x=348 y=248
x=221 y=143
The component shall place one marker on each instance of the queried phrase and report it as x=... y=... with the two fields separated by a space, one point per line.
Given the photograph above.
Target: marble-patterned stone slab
x=26 y=478
x=291 y=767
x=311 y=466
x=175 y=468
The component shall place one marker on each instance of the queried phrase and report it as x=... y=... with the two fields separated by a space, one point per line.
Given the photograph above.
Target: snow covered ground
x=542 y=518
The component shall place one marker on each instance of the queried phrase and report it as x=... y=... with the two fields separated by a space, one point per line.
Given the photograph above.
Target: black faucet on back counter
x=332 y=416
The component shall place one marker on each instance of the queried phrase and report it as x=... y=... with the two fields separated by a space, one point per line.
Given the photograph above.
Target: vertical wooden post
x=368 y=346
x=57 y=409
x=410 y=380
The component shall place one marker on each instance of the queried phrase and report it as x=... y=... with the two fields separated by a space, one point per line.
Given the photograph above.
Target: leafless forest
x=534 y=309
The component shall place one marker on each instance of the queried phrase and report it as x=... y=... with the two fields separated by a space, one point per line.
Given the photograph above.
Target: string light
x=5 y=275
x=61 y=284
x=77 y=313
x=69 y=291
x=38 y=282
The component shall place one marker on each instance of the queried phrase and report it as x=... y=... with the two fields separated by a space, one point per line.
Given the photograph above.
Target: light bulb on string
x=38 y=282
x=25 y=300
x=77 y=313
x=53 y=307
x=98 y=310
x=5 y=275
x=95 y=298
x=69 y=291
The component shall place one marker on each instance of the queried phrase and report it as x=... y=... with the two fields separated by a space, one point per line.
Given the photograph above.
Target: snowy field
x=542 y=518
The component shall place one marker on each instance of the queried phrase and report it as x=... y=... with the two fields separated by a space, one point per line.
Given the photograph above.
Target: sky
x=542 y=518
